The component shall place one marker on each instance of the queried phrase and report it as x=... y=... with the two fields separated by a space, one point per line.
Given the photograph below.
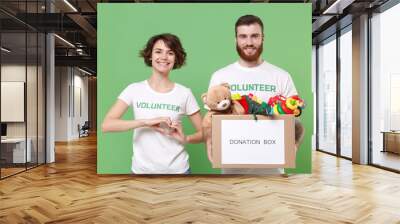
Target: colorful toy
x=282 y=105
x=276 y=105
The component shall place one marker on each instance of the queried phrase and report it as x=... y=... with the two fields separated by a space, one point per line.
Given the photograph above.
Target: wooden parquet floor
x=70 y=191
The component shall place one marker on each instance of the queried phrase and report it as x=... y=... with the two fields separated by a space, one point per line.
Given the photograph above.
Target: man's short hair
x=248 y=20
x=172 y=42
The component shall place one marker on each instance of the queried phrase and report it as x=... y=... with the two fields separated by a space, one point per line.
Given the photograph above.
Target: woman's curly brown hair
x=172 y=42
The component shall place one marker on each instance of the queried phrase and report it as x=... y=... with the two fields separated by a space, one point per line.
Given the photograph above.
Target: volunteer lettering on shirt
x=253 y=87
x=157 y=106
x=264 y=81
x=153 y=152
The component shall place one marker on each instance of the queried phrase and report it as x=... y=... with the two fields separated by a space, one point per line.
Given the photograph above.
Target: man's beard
x=249 y=58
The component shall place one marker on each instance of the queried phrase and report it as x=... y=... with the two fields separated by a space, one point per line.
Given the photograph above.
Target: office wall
x=33 y=125
x=71 y=102
x=61 y=103
x=80 y=102
x=17 y=73
x=12 y=98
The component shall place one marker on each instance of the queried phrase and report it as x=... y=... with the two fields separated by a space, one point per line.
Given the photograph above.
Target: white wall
x=15 y=72
x=61 y=103
x=71 y=93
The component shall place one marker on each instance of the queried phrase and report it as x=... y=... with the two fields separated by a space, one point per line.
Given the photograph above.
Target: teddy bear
x=218 y=101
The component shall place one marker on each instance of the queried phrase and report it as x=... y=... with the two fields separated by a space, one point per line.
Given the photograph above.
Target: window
x=346 y=93
x=385 y=89
x=327 y=96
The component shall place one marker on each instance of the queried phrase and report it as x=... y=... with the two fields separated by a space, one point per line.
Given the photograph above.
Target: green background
x=208 y=36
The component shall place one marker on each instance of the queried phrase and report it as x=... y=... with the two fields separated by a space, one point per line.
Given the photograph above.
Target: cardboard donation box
x=240 y=141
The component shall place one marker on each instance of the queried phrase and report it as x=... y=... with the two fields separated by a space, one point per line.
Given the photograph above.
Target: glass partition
x=13 y=105
x=327 y=96
x=22 y=88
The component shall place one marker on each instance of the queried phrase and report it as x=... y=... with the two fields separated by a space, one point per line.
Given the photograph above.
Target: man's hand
x=209 y=151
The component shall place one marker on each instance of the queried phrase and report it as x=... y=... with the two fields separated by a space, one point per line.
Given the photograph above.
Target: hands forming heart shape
x=167 y=127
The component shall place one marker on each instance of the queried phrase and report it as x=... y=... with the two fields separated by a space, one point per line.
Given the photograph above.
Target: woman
x=158 y=105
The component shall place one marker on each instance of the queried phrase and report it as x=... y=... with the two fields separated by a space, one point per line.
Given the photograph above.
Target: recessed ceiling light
x=84 y=71
x=5 y=50
x=64 y=40
x=70 y=5
x=337 y=7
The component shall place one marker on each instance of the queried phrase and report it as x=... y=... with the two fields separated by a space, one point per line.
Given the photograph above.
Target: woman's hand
x=161 y=124
x=177 y=132
x=165 y=126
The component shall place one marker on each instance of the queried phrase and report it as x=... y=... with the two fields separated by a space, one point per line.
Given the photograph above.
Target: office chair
x=84 y=130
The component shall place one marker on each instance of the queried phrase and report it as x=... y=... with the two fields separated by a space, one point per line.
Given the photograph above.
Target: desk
x=391 y=141
x=16 y=148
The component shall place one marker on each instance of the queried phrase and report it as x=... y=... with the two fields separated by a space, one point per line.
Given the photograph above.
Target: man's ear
x=226 y=85
x=204 y=97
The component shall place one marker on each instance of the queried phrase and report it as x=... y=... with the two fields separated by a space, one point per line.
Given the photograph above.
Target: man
x=252 y=74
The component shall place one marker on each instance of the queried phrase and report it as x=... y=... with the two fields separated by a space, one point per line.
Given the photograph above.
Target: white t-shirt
x=264 y=81
x=156 y=153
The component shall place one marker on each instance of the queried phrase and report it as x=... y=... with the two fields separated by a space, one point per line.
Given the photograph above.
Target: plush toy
x=218 y=101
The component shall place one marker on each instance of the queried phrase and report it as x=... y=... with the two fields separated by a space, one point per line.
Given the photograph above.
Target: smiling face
x=249 y=41
x=162 y=58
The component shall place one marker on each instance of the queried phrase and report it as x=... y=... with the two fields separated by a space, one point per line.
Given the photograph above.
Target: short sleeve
x=289 y=89
x=127 y=95
x=191 y=104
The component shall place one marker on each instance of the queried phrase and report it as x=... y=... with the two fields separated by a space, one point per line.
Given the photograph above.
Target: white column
x=360 y=90
x=50 y=92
